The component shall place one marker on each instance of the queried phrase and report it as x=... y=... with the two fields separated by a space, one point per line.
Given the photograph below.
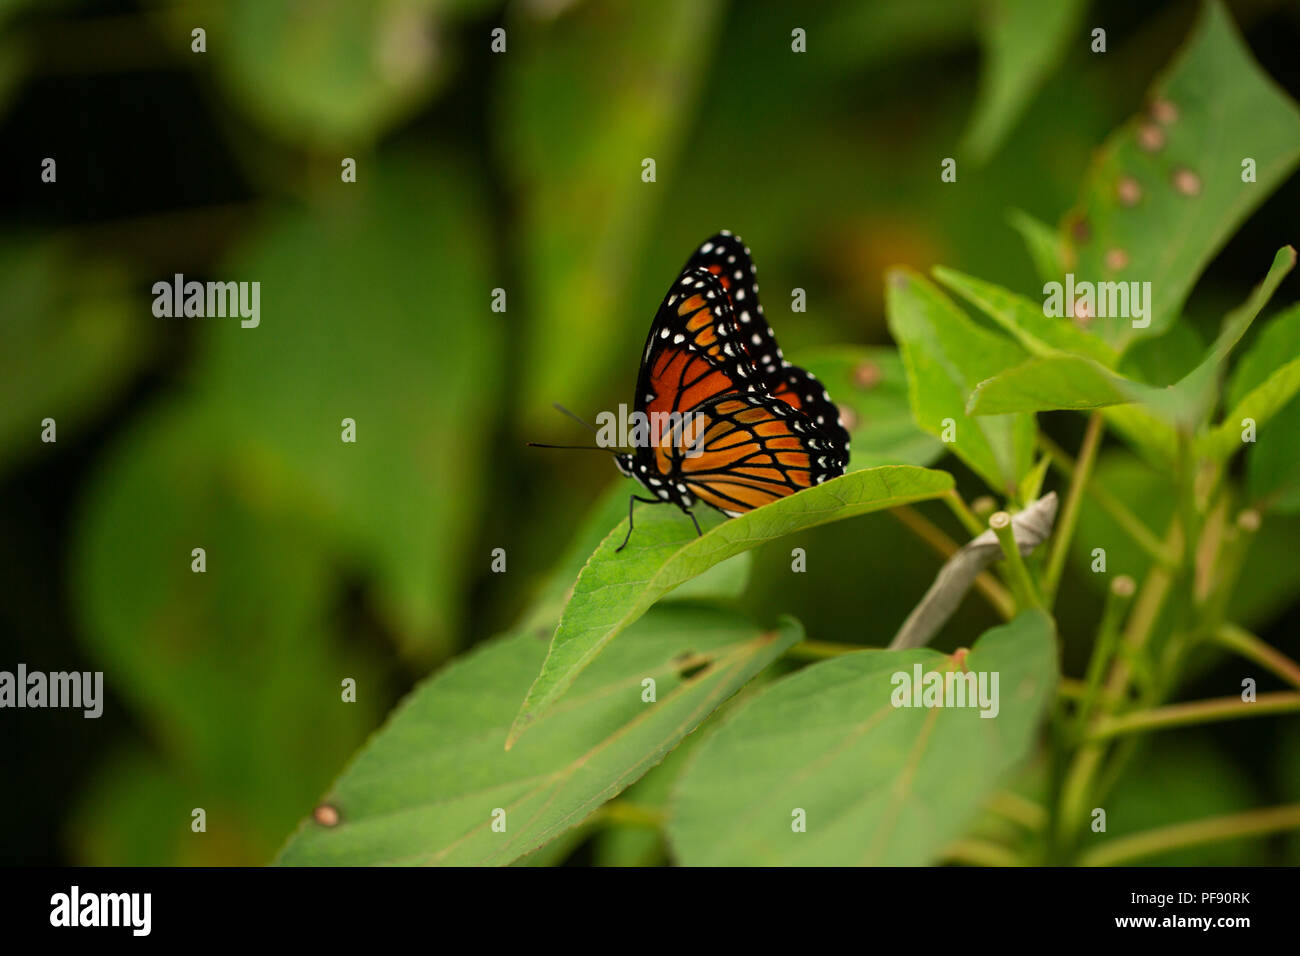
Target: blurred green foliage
x=523 y=171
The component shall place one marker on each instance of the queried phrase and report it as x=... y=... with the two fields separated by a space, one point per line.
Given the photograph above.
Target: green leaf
x=326 y=73
x=1043 y=243
x=1023 y=41
x=1048 y=384
x=424 y=790
x=1071 y=382
x=1263 y=384
x=1215 y=108
x=341 y=318
x=617 y=587
x=880 y=785
x=1039 y=333
x=71 y=338
x=230 y=669
x=946 y=356
x=870 y=387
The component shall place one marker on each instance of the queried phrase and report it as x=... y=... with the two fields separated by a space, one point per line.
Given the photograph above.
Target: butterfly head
x=625 y=463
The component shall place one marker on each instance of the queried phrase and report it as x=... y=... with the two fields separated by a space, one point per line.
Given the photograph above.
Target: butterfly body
x=741 y=426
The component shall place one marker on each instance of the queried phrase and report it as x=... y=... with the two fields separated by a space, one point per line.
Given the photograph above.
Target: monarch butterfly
x=748 y=427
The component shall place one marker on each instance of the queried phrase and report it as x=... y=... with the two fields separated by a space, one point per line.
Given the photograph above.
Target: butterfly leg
x=698 y=532
x=630 y=501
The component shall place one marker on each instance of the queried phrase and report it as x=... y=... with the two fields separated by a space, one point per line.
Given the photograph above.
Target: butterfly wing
x=725 y=256
x=747 y=450
x=690 y=357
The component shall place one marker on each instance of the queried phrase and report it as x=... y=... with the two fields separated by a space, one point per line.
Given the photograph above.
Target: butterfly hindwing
x=745 y=451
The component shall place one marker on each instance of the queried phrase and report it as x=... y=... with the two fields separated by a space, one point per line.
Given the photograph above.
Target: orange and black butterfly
x=743 y=427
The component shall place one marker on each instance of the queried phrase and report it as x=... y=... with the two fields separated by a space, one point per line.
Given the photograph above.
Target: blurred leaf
x=616 y=587
x=425 y=788
x=396 y=333
x=876 y=781
x=1212 y=108
x=330 y=72
x=70 y=340
x=1269 y=577
x=1023 y=41
x=947 y=355
x=235 y=670
x=1041 y=241
x=870 y=384
x=1040 y=334
x=135 y=810
x=1181 y=781
x=573 y=141
x=1263 y=386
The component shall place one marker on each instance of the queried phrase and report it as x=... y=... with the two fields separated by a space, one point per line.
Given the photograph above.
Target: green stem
x=627 y=814
x=1197 y=833
x=1198 y=712
x=1103 y=649
x=1126 y=519
x=821 y=650
x=958 y=507
x=980 y=853
x=1249 y=646
x=1012 y=806
x=1070 y=510
x=1022 y=586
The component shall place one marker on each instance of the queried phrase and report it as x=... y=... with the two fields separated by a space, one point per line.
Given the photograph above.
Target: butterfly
x=745 y=426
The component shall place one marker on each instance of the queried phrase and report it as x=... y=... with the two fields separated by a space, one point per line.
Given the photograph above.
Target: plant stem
x=628 y=814
x=1022 y=586
x=1070 y=510
x=1249 y=646
x=1197 y=833
x=958 y=507
x=1131 y=523
x=1197 y=712
x=1012 y=806
x=980 y=853
x=931 y=534
x=821 y=650
x=1117 y=601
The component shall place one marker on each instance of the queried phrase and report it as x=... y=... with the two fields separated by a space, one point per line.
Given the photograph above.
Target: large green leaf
x=879 y=784
x=425 y=788
x=1213 y=108
x=1023 y=41
x=395 y=333
x=572 y=143
x=870 y=387
x=616 y=587
x=947 y=355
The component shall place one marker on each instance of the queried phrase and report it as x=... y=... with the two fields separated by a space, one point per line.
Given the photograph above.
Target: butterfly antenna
x=564 y=411
x=537 y=444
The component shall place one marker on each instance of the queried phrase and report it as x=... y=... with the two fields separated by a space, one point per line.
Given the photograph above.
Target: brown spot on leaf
x=1150 y=137
x=1187 y=182
x=326 y=815
x=1116 y=259
x=848 y=417
x=1164 y=112
x=867 y=375
x=1128 y=190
